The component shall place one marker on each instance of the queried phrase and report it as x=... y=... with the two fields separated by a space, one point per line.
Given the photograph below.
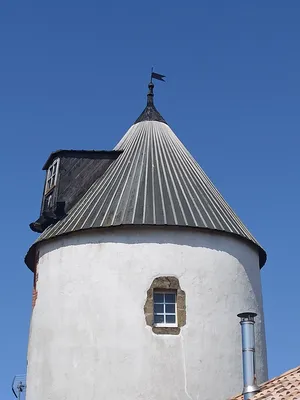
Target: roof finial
x=150 y=113
x=150 y=94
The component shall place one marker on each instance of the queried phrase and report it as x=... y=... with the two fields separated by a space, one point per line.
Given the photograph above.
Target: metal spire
x=150 y=112
x=150 y=94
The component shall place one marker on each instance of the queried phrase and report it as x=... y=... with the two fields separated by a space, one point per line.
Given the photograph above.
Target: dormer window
x=52 y=175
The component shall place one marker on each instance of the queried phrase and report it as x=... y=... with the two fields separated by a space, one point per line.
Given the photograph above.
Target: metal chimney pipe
x=248 y=344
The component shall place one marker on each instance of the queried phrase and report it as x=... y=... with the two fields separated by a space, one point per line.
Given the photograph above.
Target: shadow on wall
x=183 y=236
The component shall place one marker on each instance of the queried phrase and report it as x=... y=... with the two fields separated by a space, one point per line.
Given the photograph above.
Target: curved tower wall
x=89 y=338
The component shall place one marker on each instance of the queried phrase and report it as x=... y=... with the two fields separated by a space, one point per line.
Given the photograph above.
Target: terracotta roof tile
x=285 y=386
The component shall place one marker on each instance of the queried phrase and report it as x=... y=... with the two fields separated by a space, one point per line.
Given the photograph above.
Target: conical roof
x=155 y=181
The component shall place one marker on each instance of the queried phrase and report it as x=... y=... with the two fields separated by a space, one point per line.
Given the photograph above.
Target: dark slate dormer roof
x=79 y=154
x=155 y=181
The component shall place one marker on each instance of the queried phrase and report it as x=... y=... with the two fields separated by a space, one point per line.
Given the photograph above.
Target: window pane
x=48 y=200
x=170 y=297
x=170 y=319
x=158 y=308
x=158 y=298
x=158 y=319
x=170 y=308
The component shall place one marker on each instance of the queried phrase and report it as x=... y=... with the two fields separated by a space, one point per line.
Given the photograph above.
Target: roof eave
x=31 y=254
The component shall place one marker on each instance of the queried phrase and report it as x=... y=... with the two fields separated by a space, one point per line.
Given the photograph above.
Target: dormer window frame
x=52 y=175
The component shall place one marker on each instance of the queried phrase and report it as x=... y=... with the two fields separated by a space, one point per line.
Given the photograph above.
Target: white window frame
x=52 y=177
x=48 y=195
x=165 y=324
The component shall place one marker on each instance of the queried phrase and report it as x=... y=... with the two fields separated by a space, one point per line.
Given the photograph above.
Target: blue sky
x=74 y=74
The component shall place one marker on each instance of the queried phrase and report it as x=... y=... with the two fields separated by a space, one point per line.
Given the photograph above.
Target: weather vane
x=159 y=77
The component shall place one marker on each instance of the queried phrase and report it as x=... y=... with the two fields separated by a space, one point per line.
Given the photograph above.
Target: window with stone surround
x=165 y=308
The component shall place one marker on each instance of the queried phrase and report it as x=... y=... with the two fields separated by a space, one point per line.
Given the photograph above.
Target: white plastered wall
x=89 y=339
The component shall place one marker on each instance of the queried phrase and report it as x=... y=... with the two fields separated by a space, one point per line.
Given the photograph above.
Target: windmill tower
x=139 y=272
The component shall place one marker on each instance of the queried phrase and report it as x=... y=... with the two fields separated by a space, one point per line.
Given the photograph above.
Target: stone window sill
x=166 y=330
